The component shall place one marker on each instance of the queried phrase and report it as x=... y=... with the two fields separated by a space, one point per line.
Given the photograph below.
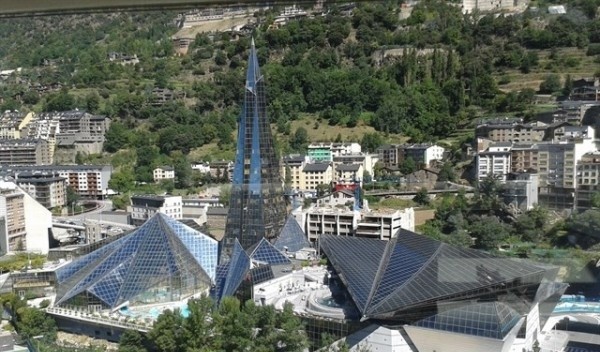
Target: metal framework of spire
x=257 y=207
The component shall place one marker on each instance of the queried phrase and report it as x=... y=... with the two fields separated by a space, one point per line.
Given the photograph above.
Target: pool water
x=329 y=302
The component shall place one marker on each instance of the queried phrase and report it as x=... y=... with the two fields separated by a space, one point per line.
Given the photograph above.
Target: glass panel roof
x=238 y=267
x=292 y=237
x=490 y=319
x=265 y=252
x=412 y=270
x=160 y=249
x=356 y=271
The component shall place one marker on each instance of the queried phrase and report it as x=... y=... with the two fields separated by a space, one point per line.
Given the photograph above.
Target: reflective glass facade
x=265 y=252
x=490 y=319
x=412 y=277
x=162 y=260
x=292 y=237
x=257 y=207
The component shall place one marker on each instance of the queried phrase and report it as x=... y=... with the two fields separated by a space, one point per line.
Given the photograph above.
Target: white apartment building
x=382 y=224
x=325 y=152
x=557 y=161
x=424 y=153
x=144 y=207
x=163 y=173
x=87 y=180
x=495 y=161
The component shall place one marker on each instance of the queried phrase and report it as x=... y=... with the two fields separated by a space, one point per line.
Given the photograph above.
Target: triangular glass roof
x=266 y=253
x=160 y=249
x=411 y=270
x=238 y=267
x=292 y=238
x=490 y=319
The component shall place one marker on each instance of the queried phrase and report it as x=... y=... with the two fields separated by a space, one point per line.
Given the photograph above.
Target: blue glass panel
x=265 y=252
x=238 y=266
x=292 y=237
x=107 y=289
x=203 y=248
x=65 y=272
x=217 y=290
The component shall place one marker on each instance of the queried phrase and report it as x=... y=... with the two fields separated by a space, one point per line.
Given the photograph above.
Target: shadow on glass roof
x=411 y=270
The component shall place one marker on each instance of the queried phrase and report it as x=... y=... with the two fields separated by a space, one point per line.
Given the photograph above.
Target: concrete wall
x=38 y=222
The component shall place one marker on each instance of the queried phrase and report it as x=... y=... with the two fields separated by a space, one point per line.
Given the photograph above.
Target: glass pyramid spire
x=162 y=260
x=257 y=206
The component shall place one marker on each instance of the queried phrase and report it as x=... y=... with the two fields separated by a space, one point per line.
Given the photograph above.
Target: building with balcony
x=326 y=151
x=163 y=173
x=524 y=157
x=316 y=174
x=511 y=130
x=588 y=179
x=13 y=124
x=341 y=221
x=25 y=152
x=495 y=161
x=143 y=207
x=89 y=181
x=49 y=189
x=79 y=130
x=422 y=154
x=25 y=224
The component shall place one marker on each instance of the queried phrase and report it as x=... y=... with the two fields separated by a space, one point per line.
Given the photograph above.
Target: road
x=12 y=8
x=105 y=205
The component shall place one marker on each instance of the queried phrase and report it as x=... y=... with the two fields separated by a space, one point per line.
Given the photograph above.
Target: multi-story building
x=163 y=173
x=495 y=161
x=76 y=129
x=49 y=189
x=326 y=151
x=25 y=152
x=24 y=223
x=558 y=163
x=422 y=154
x=221 y=169
x=367 y=161
x=521 y=191
x=12 y=219
x=87 y=180
x=316 y=174
x=468 y=6
x=524 y=157
x=348 y=173
x=568 y=132
x=294 y=164
x=588 y=179
x=13 y=123
x=143 y=207
x=381 y=224
x=511 y=130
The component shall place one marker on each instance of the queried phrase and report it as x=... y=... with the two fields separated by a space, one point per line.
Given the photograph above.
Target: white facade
x=144 y=207
x=495 y=161
x=24 y=220
x=38 y=223
x=434 y=153
x=163 y=173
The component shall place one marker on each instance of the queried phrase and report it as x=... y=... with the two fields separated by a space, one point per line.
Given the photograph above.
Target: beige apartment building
x=524 y=157
x=511 y=130
x=12 y=220
x=13 y=124
x=588 y=179
x=48 y=189
x=314 y=175
x=25 y=152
